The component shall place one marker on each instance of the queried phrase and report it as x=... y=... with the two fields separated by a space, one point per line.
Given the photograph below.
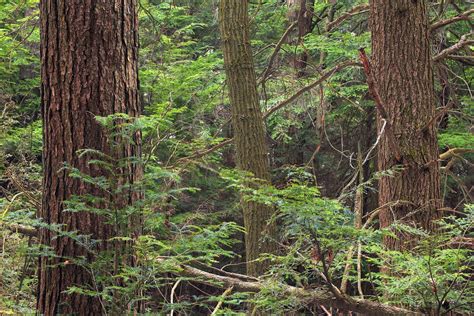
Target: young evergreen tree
x=403 y=77
x=248 y=126
x=88 y=68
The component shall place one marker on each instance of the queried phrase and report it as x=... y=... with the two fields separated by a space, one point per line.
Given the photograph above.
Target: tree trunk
x=403 y=75
x=248 y=127
x=88 y=67
x=300 y=11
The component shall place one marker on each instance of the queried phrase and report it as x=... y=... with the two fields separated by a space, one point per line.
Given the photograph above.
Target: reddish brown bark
x=88 y=67
x=403 y=76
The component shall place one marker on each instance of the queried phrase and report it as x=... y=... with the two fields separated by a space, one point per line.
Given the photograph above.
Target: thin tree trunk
x=403 y=75
x=248 y=127
x=300 y=11
x=88 y=67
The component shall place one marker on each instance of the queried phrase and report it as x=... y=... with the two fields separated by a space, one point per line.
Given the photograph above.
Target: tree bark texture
x=300 y=11
x=89 y=53
x=248 y=126
x=403 y=76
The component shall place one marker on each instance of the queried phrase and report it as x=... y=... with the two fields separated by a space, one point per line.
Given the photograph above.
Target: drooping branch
x=461 y=17
x=312 y=85
x=463 y=41
x=354 y=11
x=321 y=296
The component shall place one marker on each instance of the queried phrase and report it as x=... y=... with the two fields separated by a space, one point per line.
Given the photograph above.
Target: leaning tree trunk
x=403 y=77
x=248 y=126
x=88 y=68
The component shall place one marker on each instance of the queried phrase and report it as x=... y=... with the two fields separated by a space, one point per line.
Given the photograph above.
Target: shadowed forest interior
x=236 y=157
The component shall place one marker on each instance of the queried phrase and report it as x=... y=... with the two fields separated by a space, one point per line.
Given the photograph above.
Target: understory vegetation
x=178 y=244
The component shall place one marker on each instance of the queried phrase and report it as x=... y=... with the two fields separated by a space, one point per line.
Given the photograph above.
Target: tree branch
x=463 y=41
x=379 y=104
x=455 y=152
x=354 y=11
x=275 y=53
x=461 y=17
x=307 y=88
x=307 y=296
x=24 y=230
x=200 y=154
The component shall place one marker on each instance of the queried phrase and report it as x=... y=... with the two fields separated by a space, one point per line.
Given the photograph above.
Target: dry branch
x=307 y=88
x=455 y=152
x=280 y=105
x=275 y=53
x=354 y=11
x=308 y=296
x=461 y=17
x=463 y=41
x=24 y=230
x=200 y=154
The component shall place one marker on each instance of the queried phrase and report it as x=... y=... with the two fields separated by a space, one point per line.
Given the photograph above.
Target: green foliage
x=438 y=274
x=168 y=242
x=190 y=213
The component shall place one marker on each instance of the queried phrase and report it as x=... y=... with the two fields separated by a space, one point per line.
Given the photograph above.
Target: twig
x=463 y=41
x=275 y=53
x=358 y=212
x=461 y=17
x=354 y=11
x=221 y=300
x=173 y=289
x=307 y=88
x=359 y=270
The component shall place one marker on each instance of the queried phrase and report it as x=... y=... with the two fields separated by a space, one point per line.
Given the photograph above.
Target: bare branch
x=461 y=17
x=275 y=53
x=307 y=88
x=354 y=11
x=318 y=297
x=24 y=230
x=200 y=154
x=455 y=152
x=463 y=41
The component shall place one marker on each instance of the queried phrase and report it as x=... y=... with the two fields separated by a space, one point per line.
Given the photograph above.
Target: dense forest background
x=337 y=217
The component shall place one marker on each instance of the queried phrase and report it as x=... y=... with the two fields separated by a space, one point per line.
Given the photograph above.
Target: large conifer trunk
x=403 y=75
x=248 y=126
x=88 y=67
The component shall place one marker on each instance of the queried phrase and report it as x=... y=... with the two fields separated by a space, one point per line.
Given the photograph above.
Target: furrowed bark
x=88 y=68
x=403 y=75
x=248 y=127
